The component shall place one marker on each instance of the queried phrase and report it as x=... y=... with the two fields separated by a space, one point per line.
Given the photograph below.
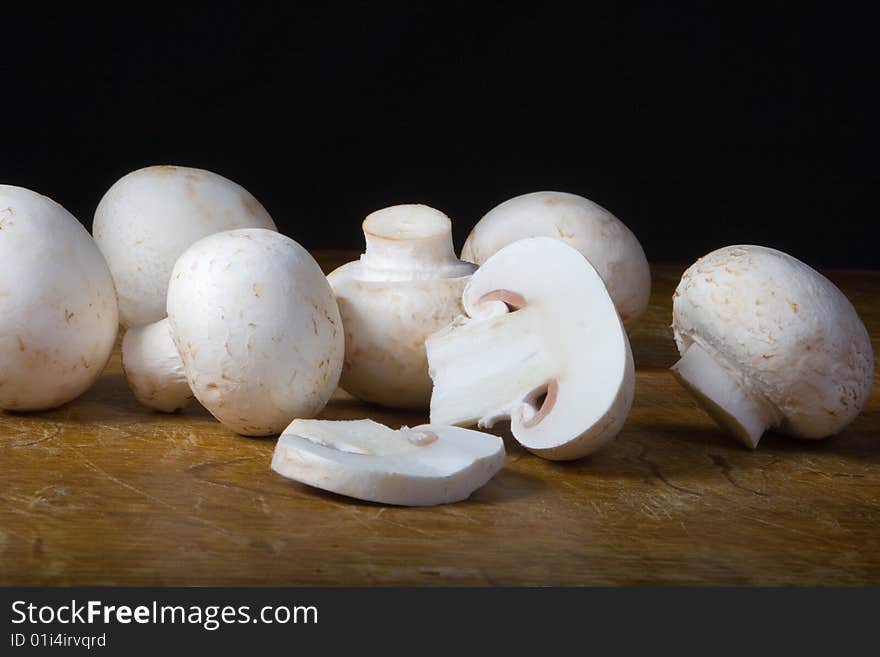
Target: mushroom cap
x=153 y=368
x=58 y=314
x=257 y=327
x=386 y=324
x=789 y=335
x=422 y=466
x=150 y=216
x=601 y=237
x=542 y=344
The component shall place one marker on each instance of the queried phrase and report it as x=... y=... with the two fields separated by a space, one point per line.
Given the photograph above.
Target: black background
x=697 y=126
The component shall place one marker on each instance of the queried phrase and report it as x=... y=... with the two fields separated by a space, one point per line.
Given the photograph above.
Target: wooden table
x=105 y=492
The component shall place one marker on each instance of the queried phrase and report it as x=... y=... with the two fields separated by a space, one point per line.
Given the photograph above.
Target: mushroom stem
x=154 y=368
x=409 y=242
x=722 y=396
x=478 y=369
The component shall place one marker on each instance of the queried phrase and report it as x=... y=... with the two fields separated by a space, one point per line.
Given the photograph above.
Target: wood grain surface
x=105 y=492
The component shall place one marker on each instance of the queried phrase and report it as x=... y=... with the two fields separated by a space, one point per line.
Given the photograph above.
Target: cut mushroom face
x=543 y=345
x=58 y=314
x=150 y=216
x=419 y=466
x=766 y=341
x=405 y=286
x=256 y=327
x=600 y=236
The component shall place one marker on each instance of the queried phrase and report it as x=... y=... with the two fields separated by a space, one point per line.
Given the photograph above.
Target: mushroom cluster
x=528 y=327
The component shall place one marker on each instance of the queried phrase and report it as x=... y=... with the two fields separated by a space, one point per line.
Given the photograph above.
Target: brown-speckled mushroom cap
x=786 y=335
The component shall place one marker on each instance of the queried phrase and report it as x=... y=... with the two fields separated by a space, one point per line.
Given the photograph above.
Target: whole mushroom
x=252 y=327
x=58 y=314
x=601 y=237
x=150 y=216
x=767 y=342
x=405 y=286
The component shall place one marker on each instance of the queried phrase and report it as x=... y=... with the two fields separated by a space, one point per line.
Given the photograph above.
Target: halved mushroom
x=419 y=466
x=542 y=345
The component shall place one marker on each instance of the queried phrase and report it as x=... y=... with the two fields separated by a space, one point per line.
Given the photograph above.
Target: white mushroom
x=257 y=330
x=153 y=367
x=766 y=341
x=405 y=286
x=58 y=315
x=421 y=466
x=603 y=239
x=542 y=345
x=150 y=216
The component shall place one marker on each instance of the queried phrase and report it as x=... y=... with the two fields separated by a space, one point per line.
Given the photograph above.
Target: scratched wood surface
x=104 y=492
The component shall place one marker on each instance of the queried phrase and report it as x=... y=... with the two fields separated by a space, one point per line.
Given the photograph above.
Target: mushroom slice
x=542 y=345
x=419 y=466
